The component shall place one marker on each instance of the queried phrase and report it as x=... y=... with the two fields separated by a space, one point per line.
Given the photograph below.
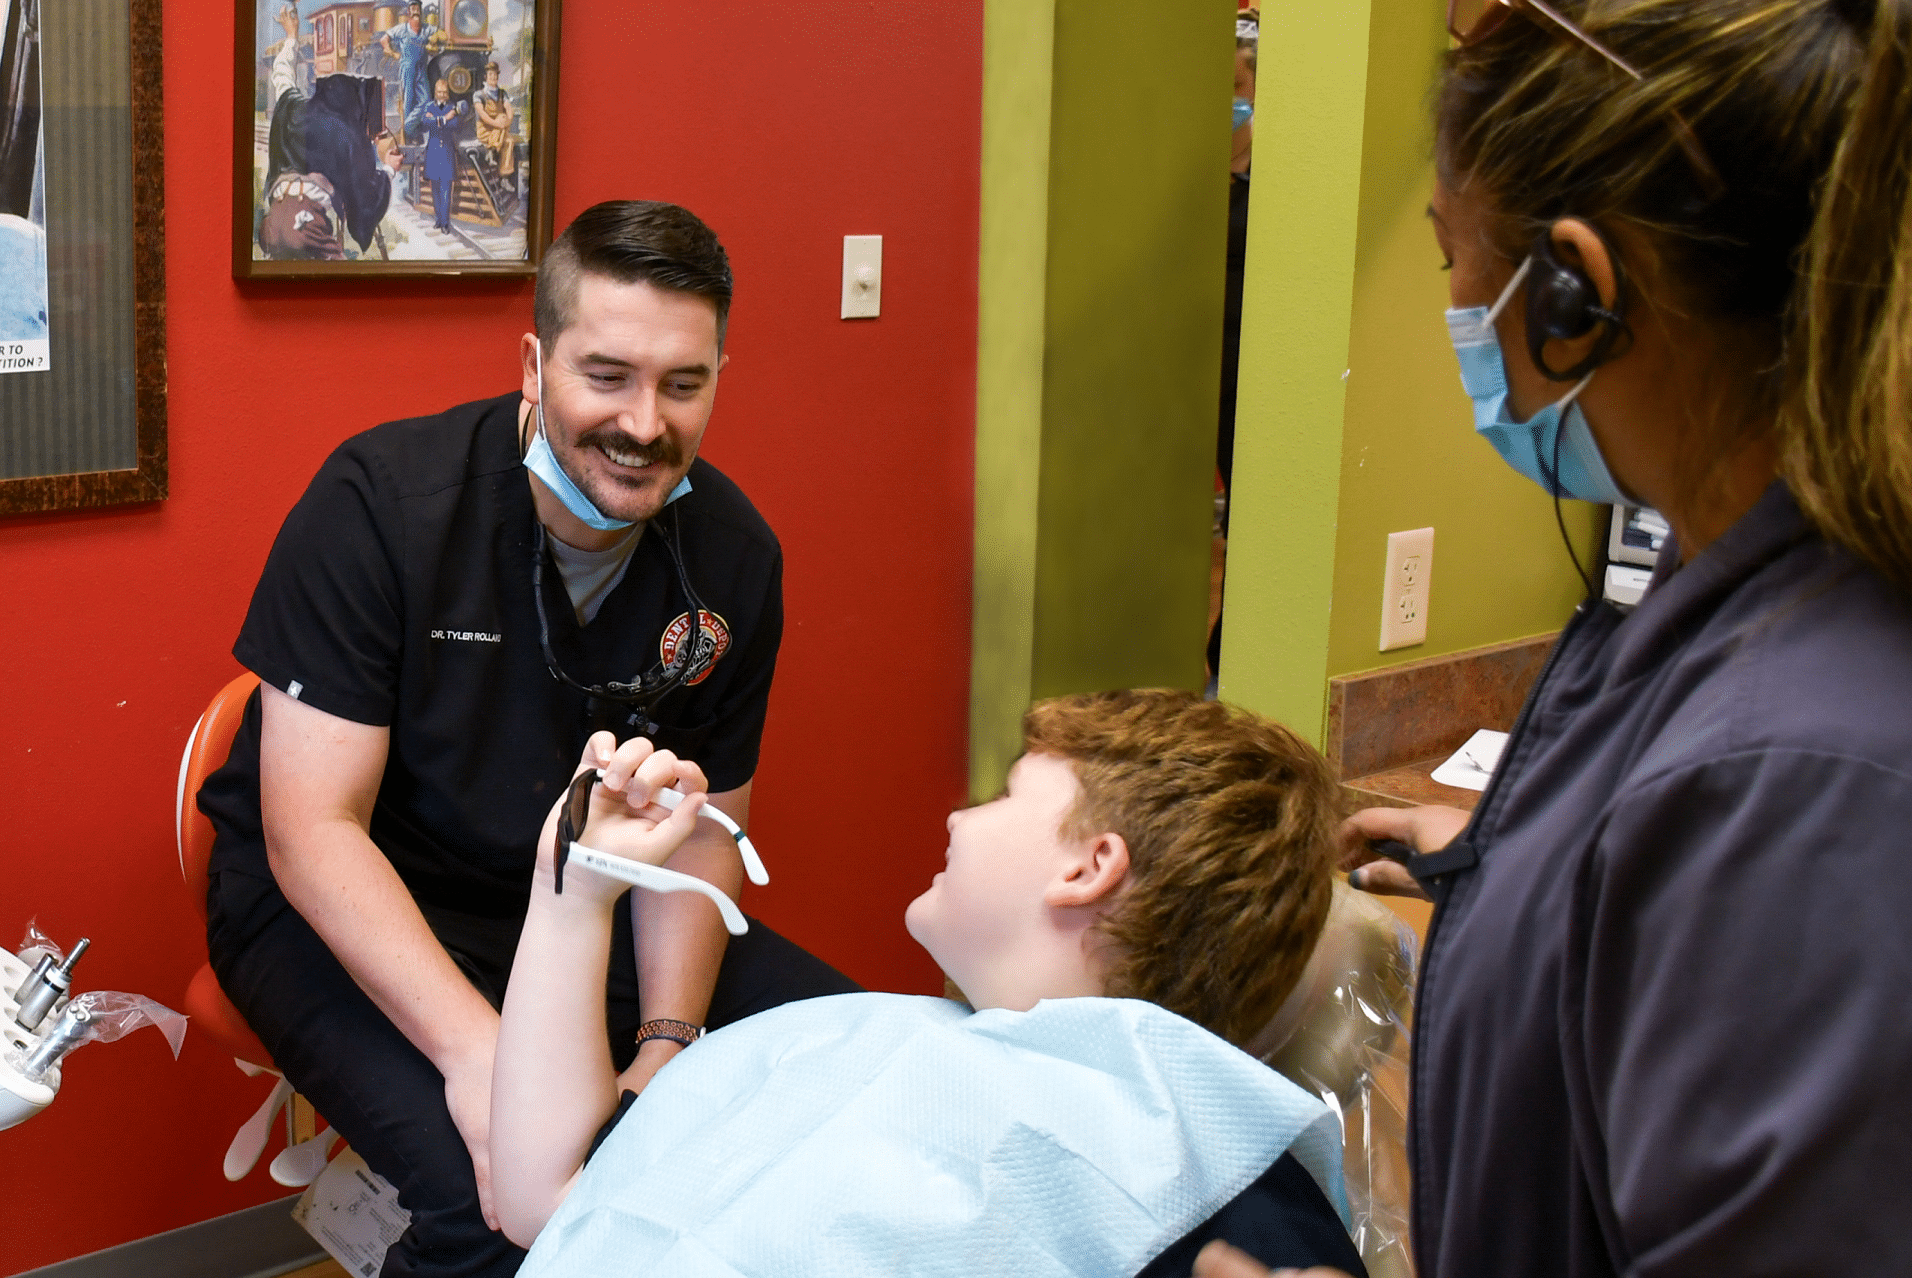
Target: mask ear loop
x=1551 y=470
x=1493 y=312
x=538 y=345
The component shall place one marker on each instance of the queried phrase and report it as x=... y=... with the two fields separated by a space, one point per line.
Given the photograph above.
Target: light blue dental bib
x=884 y=1134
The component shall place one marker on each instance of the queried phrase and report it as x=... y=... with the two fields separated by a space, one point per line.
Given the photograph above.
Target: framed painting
x=393 y=137
x=82 y=255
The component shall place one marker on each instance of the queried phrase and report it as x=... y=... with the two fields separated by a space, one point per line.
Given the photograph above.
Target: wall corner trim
x=1297 y=317
x=1018 y=83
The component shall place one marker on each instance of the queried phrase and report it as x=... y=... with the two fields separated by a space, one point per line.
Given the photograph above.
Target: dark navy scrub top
x=1662 y=1025
x=399 y=594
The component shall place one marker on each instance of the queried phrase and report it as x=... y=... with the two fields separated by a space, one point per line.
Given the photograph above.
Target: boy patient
x=1144 y=893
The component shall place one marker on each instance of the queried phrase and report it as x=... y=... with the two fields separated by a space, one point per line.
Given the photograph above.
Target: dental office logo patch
x=715 y=632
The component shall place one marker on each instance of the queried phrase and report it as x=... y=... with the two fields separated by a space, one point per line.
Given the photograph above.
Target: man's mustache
x=660 y=451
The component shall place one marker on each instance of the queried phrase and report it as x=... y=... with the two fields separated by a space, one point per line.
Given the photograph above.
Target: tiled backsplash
x=1386 y=719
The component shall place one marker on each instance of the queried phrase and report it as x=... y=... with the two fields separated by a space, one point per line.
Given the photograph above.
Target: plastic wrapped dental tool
x=98 y=1016
x=30 y=1059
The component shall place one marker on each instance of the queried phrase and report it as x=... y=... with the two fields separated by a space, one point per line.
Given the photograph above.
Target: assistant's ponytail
x=1845 y=427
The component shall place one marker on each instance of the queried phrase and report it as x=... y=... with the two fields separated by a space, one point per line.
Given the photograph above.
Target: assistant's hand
x=1428 y=828
x=468 y=1097
x=1219 y=1260
x=623 y=820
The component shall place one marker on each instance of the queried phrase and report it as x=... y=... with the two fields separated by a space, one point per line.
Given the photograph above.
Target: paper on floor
x=354 y=1214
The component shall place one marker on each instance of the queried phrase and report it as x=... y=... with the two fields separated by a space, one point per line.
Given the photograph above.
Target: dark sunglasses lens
x=577 y=806
x=571 y=821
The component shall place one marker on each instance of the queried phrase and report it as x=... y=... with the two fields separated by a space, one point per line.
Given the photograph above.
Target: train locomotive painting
x=393 y=137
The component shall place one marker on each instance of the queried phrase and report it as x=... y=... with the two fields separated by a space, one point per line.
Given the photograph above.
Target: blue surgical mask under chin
x=542 y=462
x=1558 y=431
x=1244 y=111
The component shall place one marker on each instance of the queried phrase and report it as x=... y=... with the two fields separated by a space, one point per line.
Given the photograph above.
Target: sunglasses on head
x=1472 y=21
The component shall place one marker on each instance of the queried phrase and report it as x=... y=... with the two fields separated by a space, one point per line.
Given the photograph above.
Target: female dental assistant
x=1662 y=1026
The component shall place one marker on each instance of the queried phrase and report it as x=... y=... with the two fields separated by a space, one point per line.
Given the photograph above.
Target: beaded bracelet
x=676 y=1031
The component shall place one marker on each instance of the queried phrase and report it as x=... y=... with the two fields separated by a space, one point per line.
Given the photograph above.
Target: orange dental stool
x=212 y=1012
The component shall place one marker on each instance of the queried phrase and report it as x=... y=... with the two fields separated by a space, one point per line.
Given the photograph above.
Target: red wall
x=786 y=126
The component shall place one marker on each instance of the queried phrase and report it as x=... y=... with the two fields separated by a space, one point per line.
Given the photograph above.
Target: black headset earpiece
x=1562 y=304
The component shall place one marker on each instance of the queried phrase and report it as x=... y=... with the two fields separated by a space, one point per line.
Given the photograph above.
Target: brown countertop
x=1408 y=786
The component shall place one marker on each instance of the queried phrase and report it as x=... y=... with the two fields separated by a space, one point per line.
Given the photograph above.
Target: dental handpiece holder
x=41 y=1021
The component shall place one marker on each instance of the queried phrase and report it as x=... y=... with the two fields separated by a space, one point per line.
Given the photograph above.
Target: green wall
x=1104 y=210
x=1344 y=279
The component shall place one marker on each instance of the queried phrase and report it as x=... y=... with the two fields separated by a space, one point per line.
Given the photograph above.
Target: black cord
x=691 y=659
x=1560 y=520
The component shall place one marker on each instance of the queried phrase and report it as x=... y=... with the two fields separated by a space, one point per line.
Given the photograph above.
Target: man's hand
x=468 y=1097
x=1425 y=829
x=1219 y=1260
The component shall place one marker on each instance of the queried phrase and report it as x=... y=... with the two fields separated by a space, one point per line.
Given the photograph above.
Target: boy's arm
x=552 y=1083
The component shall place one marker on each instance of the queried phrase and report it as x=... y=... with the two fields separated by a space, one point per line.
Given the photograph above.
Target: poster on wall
x=82 y=255
x=23 y=292
x=393 y=137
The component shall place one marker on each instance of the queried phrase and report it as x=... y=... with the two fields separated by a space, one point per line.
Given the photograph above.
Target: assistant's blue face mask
x=1244 y=111
x=1555 y=447
x=542 y=462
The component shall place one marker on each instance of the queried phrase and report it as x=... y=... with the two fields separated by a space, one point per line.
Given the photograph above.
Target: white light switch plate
x=1404 y=590
x=862 y=276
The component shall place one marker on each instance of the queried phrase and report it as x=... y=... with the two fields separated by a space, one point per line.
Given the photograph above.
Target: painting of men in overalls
x=395 y=135
x=24 y=345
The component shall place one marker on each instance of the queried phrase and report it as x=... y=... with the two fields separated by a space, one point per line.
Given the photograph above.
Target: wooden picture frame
x=352 y=119
x=89 y=429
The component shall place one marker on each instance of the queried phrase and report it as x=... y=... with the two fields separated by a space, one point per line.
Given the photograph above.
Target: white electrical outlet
x=1404 y=592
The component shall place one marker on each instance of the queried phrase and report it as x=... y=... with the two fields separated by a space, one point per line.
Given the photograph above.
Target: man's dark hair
x=631 y=241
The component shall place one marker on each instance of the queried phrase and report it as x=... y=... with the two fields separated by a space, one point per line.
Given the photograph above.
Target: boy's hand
x=622 y=819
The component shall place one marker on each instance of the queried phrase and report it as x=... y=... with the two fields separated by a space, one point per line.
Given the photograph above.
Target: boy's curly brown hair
x=1229 y=820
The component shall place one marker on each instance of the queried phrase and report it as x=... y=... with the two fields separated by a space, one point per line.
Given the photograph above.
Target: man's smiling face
x=628 y=390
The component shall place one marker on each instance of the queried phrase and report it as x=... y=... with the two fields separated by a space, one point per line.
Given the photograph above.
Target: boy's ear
x=1092 y=874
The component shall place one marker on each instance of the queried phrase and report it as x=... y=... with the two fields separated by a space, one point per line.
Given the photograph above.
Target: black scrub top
x=399 y=594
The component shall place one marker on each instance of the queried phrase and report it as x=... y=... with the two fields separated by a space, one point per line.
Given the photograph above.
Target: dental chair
x=1342 y=1035
x=212 y=1012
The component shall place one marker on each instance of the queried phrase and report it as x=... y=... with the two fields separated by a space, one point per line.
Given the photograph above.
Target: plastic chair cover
x=1343 y=1036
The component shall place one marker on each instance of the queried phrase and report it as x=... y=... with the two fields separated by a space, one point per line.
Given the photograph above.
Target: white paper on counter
x=353 y=1212
x=1472 y=766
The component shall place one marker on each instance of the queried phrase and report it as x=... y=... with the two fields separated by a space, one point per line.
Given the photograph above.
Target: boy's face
x=1002 y=856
